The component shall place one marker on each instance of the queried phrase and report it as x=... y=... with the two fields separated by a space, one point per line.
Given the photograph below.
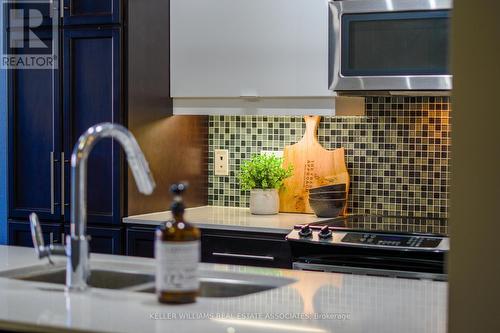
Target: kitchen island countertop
x=229 y=218
x=312 y=302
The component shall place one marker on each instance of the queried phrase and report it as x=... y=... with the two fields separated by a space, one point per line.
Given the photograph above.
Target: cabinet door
x=232 y=48
x=104 y=240
x=91 y=88
x=35 y=141
x=77 y=12
x=140 y=242
x=35 y=13
x=20 y=233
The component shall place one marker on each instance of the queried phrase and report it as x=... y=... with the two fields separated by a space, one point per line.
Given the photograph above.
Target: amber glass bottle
x=177 y=253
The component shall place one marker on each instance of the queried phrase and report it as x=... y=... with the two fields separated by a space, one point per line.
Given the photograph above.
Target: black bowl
x=328 y=188
x=326 y=207
x=328 y=195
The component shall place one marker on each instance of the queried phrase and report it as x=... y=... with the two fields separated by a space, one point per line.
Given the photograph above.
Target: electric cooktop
x=390 y=224
x=374 y=231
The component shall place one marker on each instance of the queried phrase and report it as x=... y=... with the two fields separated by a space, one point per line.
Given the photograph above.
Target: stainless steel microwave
x=396 y=46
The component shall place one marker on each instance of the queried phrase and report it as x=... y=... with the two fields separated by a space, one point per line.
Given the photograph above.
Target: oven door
x=379 y=261
x=378 y=45
x=375 y=263
x=318 y=267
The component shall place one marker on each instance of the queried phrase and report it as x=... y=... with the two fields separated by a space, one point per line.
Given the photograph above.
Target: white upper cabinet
x=233 y=48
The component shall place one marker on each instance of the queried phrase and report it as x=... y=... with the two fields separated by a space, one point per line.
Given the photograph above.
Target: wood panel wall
x=176 y=148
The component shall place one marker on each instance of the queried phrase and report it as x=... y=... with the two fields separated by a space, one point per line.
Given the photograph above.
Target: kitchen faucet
x=77 y=244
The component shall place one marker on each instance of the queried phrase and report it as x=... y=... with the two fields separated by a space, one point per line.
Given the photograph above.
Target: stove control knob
x=305 y=231
x=325 y=232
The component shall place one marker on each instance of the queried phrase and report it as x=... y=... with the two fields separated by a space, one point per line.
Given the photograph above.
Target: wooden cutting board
x=313 y=166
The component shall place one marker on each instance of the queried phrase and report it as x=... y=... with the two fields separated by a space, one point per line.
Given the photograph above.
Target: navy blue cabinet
x=35 y=142
x=20 y=235
x=104 y=240
x=50 y=109
x=29 y=10
x=43 y=131
x=91 y=88
x=140 y=242
x=77 y=12
x=74 y=12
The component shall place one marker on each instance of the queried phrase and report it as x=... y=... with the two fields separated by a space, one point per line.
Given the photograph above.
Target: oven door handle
x=367 y=258
x=242 y=256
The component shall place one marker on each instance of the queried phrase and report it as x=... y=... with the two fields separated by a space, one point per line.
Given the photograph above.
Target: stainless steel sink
x=217 y=288
x=141 y=279
x=98 y=278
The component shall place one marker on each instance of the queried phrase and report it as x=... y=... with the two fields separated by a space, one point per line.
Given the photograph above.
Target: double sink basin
x=141 y=278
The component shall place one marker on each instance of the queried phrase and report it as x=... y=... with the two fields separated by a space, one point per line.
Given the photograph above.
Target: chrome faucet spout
x=81 y=152
x=78 y=270
x=77 y=244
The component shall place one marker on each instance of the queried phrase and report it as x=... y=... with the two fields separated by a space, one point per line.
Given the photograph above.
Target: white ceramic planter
x=264 y=202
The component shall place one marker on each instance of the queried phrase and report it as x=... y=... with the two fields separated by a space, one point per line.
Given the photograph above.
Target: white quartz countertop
x=342 y=303
x=229 y=218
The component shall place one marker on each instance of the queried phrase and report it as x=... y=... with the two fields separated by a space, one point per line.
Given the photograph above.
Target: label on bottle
x=177 y=266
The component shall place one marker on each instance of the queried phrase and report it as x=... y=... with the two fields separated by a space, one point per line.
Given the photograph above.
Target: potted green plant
x=263 y=175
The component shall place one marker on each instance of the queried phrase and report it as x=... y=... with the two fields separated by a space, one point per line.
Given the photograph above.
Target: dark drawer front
x=78 y=12
x=104 y=240
x=246 y=251
x=140 y=242
x=20 y=234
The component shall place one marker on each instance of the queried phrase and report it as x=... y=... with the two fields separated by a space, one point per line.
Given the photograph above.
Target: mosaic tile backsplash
x=398 y=154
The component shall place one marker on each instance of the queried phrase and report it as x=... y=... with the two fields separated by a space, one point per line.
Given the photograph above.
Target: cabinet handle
x=242 y=256
x=61 y=8
x=62 y=183
x=51 y=182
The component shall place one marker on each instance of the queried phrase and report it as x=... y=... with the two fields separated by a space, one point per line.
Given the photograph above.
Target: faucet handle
x=41 y=250
x=37 y=236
